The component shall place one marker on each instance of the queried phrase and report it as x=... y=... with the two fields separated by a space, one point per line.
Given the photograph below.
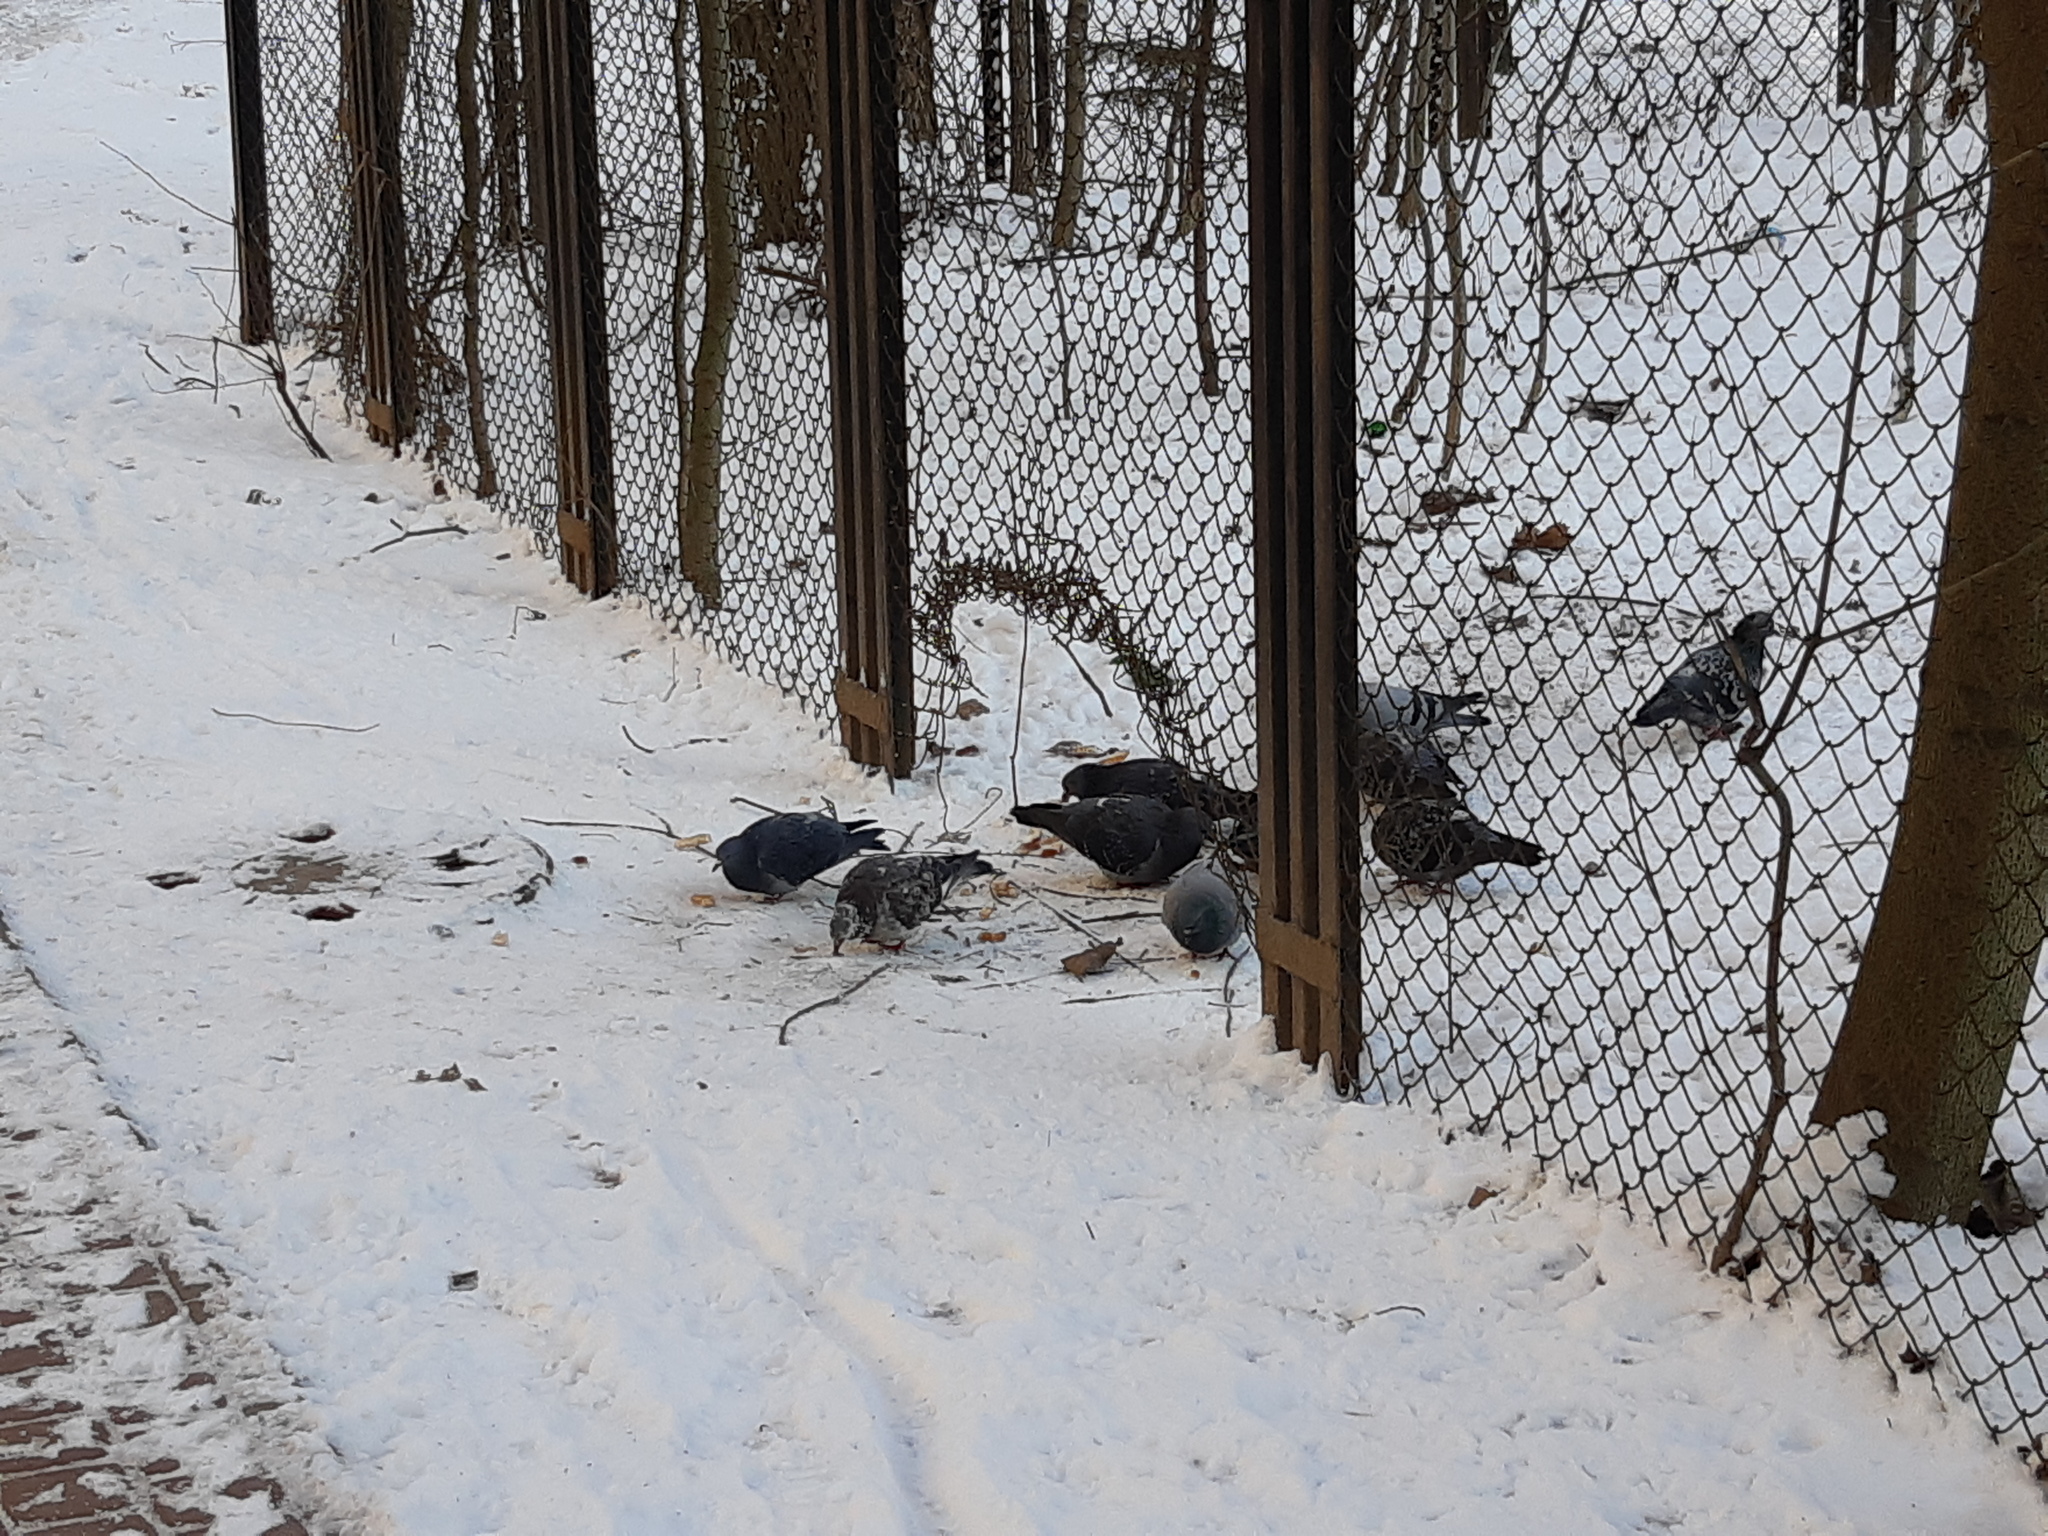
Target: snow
x=984 y=1248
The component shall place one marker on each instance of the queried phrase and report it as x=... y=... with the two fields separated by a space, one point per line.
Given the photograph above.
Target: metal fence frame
x=1307 y=265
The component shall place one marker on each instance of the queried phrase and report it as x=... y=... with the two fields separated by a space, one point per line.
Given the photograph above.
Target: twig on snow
x=664 y=830
x=202 y=212
x=782 y=1035
x=629 y=737
x=303 y=725
x=418 y=533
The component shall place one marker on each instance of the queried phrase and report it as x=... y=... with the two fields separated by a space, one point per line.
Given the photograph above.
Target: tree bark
x=1949 y=968
x=1023 y=119
x=470 y=130
x=1194 y=210
x=775 y=117
x=704 y=456
x=995 y=137
x=916 y=71
x=509 y=223
x=1066 y=212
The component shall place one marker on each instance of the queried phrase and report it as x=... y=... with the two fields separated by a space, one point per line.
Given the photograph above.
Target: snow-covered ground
x=984 y=1248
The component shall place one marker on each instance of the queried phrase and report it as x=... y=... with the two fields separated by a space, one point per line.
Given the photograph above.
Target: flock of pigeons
x=1146 y=820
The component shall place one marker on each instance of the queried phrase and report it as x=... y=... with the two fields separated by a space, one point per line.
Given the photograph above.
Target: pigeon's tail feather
x=1516 y=850
x=1665 y=706
x=864 y=837
x=1050 y=817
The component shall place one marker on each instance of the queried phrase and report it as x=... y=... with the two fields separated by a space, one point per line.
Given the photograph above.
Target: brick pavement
x=132 y=1403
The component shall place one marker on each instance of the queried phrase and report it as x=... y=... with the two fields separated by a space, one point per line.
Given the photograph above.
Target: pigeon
x=884 y=898
x=1394 y=768
x=1201 y=911
x=1708 y=692
x=777 y=854
x=1432 y=842
x=1387 y=709
x=1134 y=839
x=1163 y=780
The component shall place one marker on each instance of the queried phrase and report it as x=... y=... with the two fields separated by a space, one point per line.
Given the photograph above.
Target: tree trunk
x=1066 y=212
x=916 y=65
x=510 y=222
x=470 y=130
x=1023 y=147
x=995 y=138
x=1949 y=968
x=680 y=56
x=703 y=457
x=775 y=117
x=1194 y=210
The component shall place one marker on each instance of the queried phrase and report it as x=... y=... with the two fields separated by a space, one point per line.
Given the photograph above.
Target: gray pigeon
x=777 y=854
x=1201 y=911
x=1133 y=839
x=884 y=898
x=1709 y=693
x=1387 y=709
x=1163 y=780
x=1433 y=842
x=1394 y=768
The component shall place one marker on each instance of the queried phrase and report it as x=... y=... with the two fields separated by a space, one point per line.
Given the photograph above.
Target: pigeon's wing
x=1119 y=833
x=914 y=893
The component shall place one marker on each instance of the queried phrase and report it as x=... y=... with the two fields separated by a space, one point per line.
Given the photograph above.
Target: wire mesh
x=1654 y=332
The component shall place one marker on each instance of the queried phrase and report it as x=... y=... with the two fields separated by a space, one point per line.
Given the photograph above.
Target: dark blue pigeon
x=1166 y=781
x=1133 y=839
x=779 y=853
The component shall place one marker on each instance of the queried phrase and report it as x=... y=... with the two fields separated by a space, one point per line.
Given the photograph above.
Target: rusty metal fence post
x=568 y=208
x=1304 y=425
x=252 y=181
x=373 y=69
x=870 y=461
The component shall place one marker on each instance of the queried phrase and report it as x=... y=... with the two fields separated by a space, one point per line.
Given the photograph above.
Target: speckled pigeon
x=1708 y=691
x=779 y=853
x=1388 y=709
x=1394 y=768
x=884 y=898
x=1134 y=839
x=1433 y=842
x=1201 y=911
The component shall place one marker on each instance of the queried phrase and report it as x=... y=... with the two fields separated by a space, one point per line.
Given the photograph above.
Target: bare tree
x=705 y=452
x=775 y=116
x=1074 y=131
x=1023 y=119
x=1950 y=964
x=470 y=129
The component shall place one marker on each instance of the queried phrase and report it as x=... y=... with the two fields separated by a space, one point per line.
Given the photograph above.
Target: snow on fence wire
x=1661 y=311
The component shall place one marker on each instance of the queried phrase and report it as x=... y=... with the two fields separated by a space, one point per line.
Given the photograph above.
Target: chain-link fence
x=1662 y=314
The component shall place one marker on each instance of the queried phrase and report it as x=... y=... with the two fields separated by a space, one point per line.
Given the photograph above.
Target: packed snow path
x=984 y=1249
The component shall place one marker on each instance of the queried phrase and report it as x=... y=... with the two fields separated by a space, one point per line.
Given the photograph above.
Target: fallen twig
x=1107 y=712
x=303 y=725
x=1236 y=961
x=782 y=1035
x=664 y=830
x=629 y=737
x=207 y=213
x=418 y=533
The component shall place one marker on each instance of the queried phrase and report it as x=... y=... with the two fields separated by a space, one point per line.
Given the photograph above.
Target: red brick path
x=126 y=1404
